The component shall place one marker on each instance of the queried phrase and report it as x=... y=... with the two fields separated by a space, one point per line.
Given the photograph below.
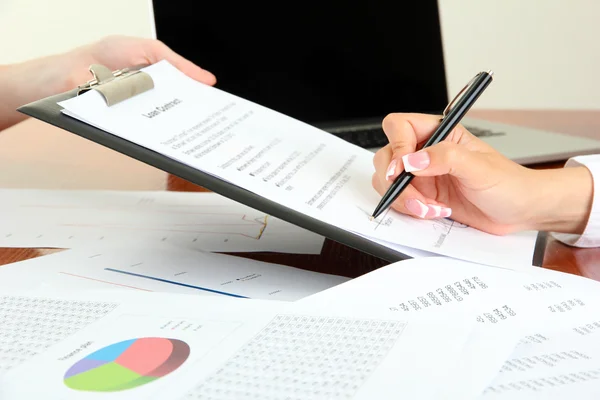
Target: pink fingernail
x=416 y=161
x=434 y=211
x=446 y=212
x=416 y=207
x=391 y=171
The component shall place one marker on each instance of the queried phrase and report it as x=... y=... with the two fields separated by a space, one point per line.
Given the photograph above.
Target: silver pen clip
x=462 y=91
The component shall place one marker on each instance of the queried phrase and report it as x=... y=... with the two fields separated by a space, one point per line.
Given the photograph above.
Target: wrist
x=43 y=77
x=63 y=72
x=562 y=201
x=67 y=66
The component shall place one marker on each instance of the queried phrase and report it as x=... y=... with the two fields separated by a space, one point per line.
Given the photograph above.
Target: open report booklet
x=283 y=160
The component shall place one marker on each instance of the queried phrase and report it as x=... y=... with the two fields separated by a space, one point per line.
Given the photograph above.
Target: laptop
x=340 y=66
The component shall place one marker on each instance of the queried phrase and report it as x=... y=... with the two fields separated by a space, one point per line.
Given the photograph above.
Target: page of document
x=560 y=358
x=495 y=297
x=166 y=269
x=166 y=346
x=34 y=323
x=206 y=221
x=281 y=159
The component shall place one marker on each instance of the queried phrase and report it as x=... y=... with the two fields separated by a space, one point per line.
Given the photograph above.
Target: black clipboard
x=117 y=86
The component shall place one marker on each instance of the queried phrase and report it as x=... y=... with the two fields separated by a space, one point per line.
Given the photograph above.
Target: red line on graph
x=110 y=283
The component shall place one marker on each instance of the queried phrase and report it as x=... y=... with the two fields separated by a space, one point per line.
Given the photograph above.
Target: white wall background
x=545 y=53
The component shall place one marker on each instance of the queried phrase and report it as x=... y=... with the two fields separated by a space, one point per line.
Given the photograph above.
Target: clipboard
x=121 y=85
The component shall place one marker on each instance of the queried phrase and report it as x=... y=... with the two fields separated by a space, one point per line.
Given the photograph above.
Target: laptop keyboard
x=374 y=137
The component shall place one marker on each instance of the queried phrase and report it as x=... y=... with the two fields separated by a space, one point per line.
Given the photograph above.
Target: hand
x=466 y=178
x=117 y=52
x=39 y=78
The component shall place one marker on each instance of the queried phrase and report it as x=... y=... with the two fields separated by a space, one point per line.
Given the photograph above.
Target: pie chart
x=127 y=364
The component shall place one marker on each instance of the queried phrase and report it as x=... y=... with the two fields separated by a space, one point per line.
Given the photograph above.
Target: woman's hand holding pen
x=466 y=178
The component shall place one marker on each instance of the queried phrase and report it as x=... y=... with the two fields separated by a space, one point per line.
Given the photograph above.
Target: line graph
x=206 y=221
x=255 y=223
x=103 y=281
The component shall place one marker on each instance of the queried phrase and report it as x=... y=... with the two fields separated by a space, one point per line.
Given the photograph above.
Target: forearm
x=563 y=199
x=29 y=81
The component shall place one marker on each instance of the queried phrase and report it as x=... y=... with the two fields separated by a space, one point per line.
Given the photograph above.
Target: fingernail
x=416 y=207
x=434 y=211
x=416 y=161
x=446 y=212
x=391 y=171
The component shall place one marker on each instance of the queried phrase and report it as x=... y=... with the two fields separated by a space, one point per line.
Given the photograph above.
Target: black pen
x=452 y=116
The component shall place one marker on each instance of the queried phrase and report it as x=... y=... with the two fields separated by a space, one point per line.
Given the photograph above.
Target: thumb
x=191 y=69
x=448 y=158
x=161 y=51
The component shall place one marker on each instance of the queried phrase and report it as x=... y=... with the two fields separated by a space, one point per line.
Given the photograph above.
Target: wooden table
x=36 y=155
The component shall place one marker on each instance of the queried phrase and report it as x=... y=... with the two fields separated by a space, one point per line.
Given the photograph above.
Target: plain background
x=545 y=53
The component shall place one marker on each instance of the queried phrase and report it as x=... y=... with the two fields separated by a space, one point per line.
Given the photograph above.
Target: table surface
x=36 y=155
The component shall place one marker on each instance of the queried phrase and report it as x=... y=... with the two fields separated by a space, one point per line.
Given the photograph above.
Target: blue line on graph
x=175 y=283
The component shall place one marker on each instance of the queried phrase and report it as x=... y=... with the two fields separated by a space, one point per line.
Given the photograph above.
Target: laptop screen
x=319 y=62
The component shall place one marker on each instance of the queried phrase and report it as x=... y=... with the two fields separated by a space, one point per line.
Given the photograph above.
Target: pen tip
x=371 y=218
x=490 y=72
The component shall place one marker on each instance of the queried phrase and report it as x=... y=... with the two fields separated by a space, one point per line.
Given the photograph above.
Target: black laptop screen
x=318 y=62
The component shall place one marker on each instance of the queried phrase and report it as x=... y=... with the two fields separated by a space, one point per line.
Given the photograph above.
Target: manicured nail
x=391 y=171
x=434 y=211
x=416 y=207
x=416 y=161
x=446 y=212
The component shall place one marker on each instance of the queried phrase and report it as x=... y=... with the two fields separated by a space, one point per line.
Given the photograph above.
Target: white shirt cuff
x=591 y=235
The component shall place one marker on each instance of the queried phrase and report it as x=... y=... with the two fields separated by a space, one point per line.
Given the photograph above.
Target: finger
x=447 y=158
x=381 y=162
x=404 y=132
x=162 y=51
x=413 y=202
x=409 y=127
x=407 y=132
x=386 y=167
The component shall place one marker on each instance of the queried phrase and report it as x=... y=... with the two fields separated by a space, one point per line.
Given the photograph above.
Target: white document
x=283 y=160
x=166 y=269
x=494 y=297
x=134 y=345
x=207 y=221
x=540 y=330
x=560 y=358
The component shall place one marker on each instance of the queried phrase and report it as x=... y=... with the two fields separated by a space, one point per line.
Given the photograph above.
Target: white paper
x=558 y=354
x=560 y=358
x=495 y=297
x=197 y=220
x=283 y=160
x=225 y=348
x=166 y=269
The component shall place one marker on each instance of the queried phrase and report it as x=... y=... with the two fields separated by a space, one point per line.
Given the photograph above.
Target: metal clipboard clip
x=117 y=86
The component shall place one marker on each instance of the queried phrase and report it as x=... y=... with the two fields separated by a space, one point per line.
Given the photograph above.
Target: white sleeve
x=591 y=235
